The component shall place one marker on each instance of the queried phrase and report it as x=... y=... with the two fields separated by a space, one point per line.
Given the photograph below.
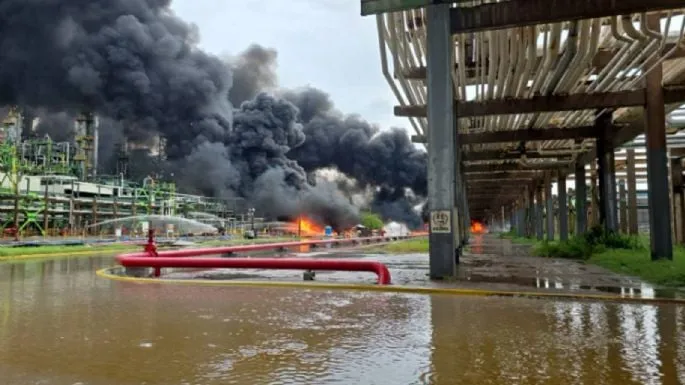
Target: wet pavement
x=489 y=264
x=60 y=324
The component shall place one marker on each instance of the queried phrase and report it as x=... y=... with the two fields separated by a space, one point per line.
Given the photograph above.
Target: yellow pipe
x=104 y=273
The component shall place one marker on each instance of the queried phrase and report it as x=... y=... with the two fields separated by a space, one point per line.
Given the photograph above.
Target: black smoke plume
x=137 y=66
x=385 y=160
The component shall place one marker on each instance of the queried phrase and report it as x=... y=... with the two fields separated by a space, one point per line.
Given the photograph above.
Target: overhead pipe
x=568 y=57
x=680 y=44
x=640 y=42
x=651 y=49
x=585 y=44
x=386 y=72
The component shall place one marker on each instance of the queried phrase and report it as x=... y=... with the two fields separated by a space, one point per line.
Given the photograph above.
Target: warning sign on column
x=441 y=221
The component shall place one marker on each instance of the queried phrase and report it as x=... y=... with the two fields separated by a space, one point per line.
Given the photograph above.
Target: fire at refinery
x=305 y=227
x=478 y=228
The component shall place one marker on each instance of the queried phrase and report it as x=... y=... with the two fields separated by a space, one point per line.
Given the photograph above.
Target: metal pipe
x=386 y=73
x=380 y=269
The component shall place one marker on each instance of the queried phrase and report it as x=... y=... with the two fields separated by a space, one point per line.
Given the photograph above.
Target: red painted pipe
x=248 y=248
x=129 y=260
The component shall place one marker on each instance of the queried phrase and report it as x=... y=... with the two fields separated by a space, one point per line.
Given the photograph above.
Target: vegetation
x=415 y=245
x=371 y=221
x=8 y=253
x=620 y=253
x=511 y=235
x=595 y=241
x=640 y=264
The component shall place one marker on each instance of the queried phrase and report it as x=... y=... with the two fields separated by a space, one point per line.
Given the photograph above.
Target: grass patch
x=639 y=263
x=511 y=235
x=409 y=246
x=619 y=253
x=595 y=241
x=7 y=253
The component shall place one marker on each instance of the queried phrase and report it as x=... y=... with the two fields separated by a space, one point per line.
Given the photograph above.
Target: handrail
x=380 y=269
x=156 y=259
x=151 y=249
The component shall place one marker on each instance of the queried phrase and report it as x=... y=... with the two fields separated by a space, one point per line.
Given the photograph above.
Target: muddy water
x=60 y=324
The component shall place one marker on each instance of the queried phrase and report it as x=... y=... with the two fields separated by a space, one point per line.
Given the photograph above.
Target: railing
x=187 y=258
x=258 y=263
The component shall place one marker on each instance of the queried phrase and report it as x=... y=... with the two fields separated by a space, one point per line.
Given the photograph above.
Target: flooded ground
x=62 y=325
x=490 y=264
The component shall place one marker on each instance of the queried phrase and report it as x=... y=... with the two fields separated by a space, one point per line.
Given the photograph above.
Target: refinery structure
x=52 y=188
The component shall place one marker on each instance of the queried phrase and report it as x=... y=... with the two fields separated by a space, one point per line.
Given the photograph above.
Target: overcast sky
x=321 y=43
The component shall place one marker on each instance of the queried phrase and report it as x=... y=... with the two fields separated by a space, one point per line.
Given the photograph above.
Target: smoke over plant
x=137 y=66
x=384 y=159
x=254 y=71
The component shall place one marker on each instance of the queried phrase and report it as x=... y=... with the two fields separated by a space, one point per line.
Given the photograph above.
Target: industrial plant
x=53 y=188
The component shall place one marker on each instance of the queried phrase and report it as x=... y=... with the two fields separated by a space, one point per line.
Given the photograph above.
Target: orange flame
x=307 y=228
x=477 y=227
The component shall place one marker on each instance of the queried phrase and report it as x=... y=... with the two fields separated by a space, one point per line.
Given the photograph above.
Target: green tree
x=371 y=221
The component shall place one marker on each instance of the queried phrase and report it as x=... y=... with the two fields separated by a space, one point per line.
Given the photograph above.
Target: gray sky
x=321 y=43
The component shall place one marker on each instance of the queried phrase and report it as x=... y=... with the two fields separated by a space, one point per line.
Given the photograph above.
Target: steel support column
x=632 y=192
x=459 y=199
x=623 y=206
x=539 y=209
x=563 y=208
x=441 y=143
x=657 y=162
x=607 y=174
x=466 y=216
x=676 y=190
x=530 y=224
x=549 y=200
x=581 y=200
x=594 y=201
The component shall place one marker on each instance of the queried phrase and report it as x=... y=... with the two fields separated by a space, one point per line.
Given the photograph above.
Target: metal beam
x=488 y=168
x=501 y=155
x=503 y=175
x=518 y=13
x=529 y=135
x=550 y=103
x=600 y=60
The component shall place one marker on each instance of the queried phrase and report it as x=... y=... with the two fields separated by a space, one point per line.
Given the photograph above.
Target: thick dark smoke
x=383 y=159
x=254 y=71
x=137 y=66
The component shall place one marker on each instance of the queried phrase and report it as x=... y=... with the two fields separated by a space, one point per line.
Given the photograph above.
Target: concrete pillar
x=623 y=206
x=441 y=143
x=632 y=192
x=581 y=200
x=531 y=212
x=563 y=208
x=677 y=189
x=503 y=221
x=459 y=199
x=657 y=162
x=594 y=202
x=607 y=174
x=549 y=200
x=465 y=205
x=519 y=220
x=539 y=215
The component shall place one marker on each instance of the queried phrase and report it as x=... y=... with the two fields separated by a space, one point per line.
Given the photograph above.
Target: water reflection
x=57 y=315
